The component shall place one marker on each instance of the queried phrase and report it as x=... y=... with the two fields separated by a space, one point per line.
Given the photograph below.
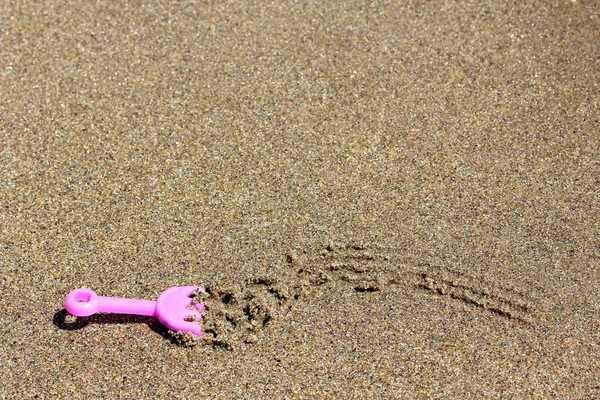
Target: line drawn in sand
x=370 y=268
x=239 y=313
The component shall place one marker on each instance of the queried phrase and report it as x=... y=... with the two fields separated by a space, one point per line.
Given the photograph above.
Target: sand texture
x=388 y=199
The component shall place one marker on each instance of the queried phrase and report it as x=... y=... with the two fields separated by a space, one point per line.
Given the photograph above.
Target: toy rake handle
x=83 y=302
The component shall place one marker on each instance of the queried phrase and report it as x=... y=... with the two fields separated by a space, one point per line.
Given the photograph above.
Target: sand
x=383 y=199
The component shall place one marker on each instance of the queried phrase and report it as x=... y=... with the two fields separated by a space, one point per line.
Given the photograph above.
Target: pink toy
x=174 y=307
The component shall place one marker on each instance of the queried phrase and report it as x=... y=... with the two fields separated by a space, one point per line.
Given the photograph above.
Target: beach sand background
x=395 y=199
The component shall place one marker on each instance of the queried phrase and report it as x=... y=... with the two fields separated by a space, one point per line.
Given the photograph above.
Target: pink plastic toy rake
x=174 y=308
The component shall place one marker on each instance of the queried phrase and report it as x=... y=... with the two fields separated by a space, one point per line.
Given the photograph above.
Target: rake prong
x=193 y=316
x=186 y=326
